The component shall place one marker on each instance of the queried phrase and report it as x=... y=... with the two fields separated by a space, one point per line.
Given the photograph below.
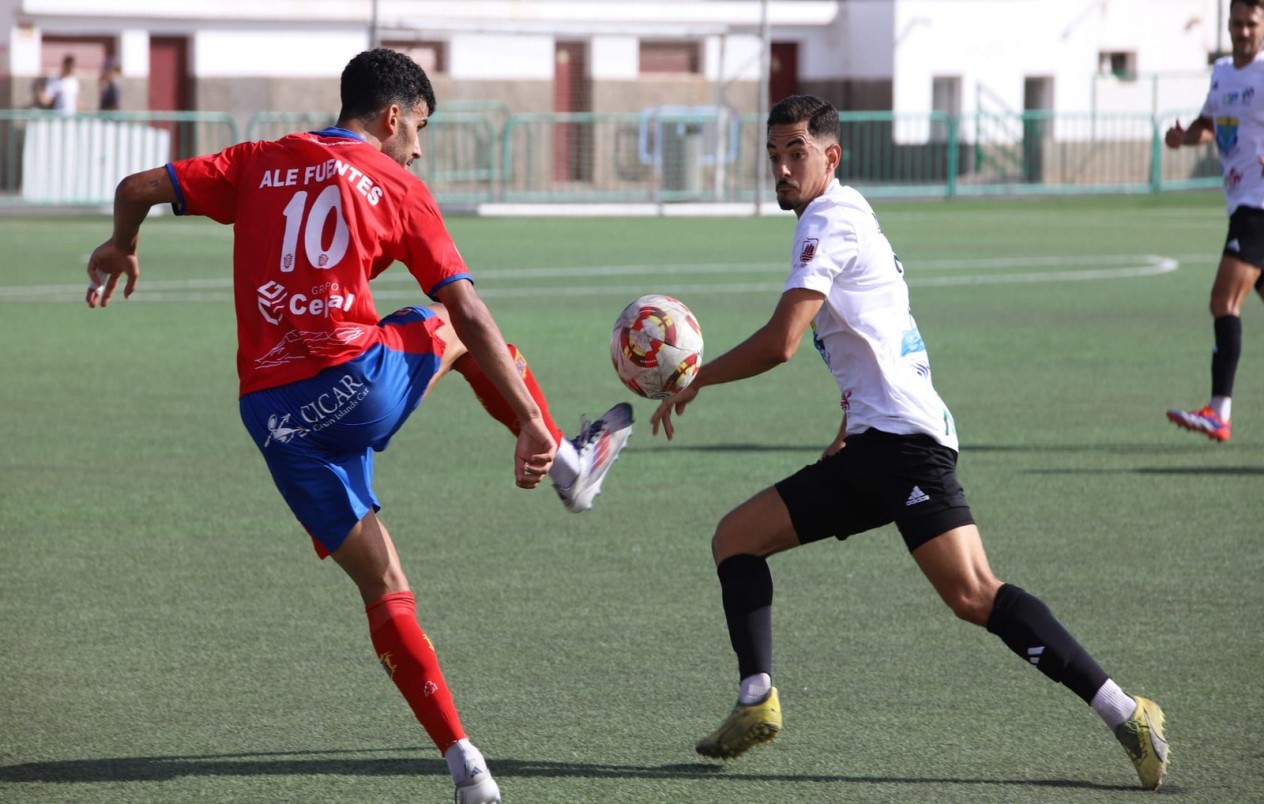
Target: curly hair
x=377 y=78
x=821 y=116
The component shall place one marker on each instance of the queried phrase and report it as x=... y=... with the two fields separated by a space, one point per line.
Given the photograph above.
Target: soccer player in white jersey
x=893 y=459
x=1233 y=115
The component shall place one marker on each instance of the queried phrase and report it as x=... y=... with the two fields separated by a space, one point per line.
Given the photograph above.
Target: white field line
x=667 y=278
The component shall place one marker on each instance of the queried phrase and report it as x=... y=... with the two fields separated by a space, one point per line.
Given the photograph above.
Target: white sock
x=460 y=756
x=1221 y=405
x=754 y=688
x=565 y=467
x=1112 y=704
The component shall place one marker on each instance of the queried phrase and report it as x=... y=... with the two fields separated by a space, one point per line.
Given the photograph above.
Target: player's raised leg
x=369 y=558
x=957 y=566
x=581 y=463
x=745 y=537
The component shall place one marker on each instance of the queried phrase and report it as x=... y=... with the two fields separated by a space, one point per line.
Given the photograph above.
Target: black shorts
x=877 y=479
x=1245 y=240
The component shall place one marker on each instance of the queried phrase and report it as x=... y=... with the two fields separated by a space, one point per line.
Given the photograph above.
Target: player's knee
x=730 y=539
x=389 y=582
x=972 y=604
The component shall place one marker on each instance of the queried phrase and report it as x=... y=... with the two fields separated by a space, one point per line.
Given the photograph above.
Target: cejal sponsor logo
x=275 y=301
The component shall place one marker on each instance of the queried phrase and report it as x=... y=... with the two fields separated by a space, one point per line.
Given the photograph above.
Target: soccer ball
x=656 y=346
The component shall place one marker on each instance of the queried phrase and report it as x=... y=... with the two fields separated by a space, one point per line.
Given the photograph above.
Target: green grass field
x=169 y=636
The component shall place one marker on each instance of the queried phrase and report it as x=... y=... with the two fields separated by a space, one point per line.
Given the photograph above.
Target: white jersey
x=64 y=92
x=865 y=330
x=1235 y=104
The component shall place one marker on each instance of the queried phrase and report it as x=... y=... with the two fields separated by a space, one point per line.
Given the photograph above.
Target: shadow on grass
x=662 y=445
x=814 y=450
x=327 y=763
x=1098 y=447
x=1156 y=470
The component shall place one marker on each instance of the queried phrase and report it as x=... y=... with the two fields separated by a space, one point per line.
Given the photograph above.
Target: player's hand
x=107 y=263
x=533 y=454
x=675 y=403
x=1175 y=136
x=836 y=445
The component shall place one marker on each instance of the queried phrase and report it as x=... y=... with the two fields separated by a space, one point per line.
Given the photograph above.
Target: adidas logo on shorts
x=916 y=496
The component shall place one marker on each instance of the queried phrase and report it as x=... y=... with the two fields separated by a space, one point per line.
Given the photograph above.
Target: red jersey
x=315 y=216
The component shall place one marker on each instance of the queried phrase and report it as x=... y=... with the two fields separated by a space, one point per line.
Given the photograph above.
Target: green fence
x=459 y=145
x=476 y=151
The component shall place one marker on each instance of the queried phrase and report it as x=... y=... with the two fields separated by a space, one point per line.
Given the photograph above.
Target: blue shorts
x=318 y=435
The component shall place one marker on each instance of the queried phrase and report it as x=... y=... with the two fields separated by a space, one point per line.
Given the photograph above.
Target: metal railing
x=477 y=152
x=50 y=158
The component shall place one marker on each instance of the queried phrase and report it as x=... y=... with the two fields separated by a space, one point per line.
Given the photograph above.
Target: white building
x=907 y=56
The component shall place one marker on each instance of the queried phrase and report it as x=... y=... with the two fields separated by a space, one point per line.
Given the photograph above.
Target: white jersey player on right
x=1233 y=116
x=893 y=461
x=864 y=330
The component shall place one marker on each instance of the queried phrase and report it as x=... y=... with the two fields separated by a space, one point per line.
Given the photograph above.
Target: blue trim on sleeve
x=334 y=131
x=179 y=206
x=434 y=290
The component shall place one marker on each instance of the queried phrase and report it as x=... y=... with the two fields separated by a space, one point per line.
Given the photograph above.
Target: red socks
x=494 y=403
x=409 y=659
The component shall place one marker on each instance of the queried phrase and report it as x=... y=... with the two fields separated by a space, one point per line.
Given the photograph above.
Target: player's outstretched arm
x=771 y=345
x=533 y=454
x=1200 y=131
x=116 y=257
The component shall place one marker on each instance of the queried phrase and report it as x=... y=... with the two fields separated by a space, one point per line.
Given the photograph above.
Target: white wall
x=24 y=50
x=248 y=53
x=741 y=58
x=997 y=45
x=614 y=58
x=134 y=53
x=501 y=56
x=867 y=31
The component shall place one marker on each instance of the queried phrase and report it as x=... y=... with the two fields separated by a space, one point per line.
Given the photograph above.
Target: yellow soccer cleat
x=746 y=726
x=1142 y=737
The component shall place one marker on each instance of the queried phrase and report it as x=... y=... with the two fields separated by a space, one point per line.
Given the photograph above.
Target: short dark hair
x=377 y=78
x=821 y=116
x=1249 y=3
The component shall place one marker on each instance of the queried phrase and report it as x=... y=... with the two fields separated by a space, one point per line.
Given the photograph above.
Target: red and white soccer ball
x=656 y=346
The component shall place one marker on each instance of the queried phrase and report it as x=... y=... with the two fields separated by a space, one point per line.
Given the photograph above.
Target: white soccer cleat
x=478 y=788
x=598 y=444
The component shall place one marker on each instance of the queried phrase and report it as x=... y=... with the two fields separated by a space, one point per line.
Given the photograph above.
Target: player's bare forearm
x=116 y=257
x=133 y=199
x=771 y=345
x=750 y=358
x=1201 y=132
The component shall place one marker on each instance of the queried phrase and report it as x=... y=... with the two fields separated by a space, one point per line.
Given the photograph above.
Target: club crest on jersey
x=808 y=251
x=1226 y=134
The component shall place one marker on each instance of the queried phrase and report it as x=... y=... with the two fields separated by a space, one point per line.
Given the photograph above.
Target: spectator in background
x=61 y=94
x=111 y=89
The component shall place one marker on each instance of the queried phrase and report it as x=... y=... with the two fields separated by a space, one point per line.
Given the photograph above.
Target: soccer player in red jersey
x=324 y=381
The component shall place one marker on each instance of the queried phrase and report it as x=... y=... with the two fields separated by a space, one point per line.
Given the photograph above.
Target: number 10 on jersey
x=312 y=226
